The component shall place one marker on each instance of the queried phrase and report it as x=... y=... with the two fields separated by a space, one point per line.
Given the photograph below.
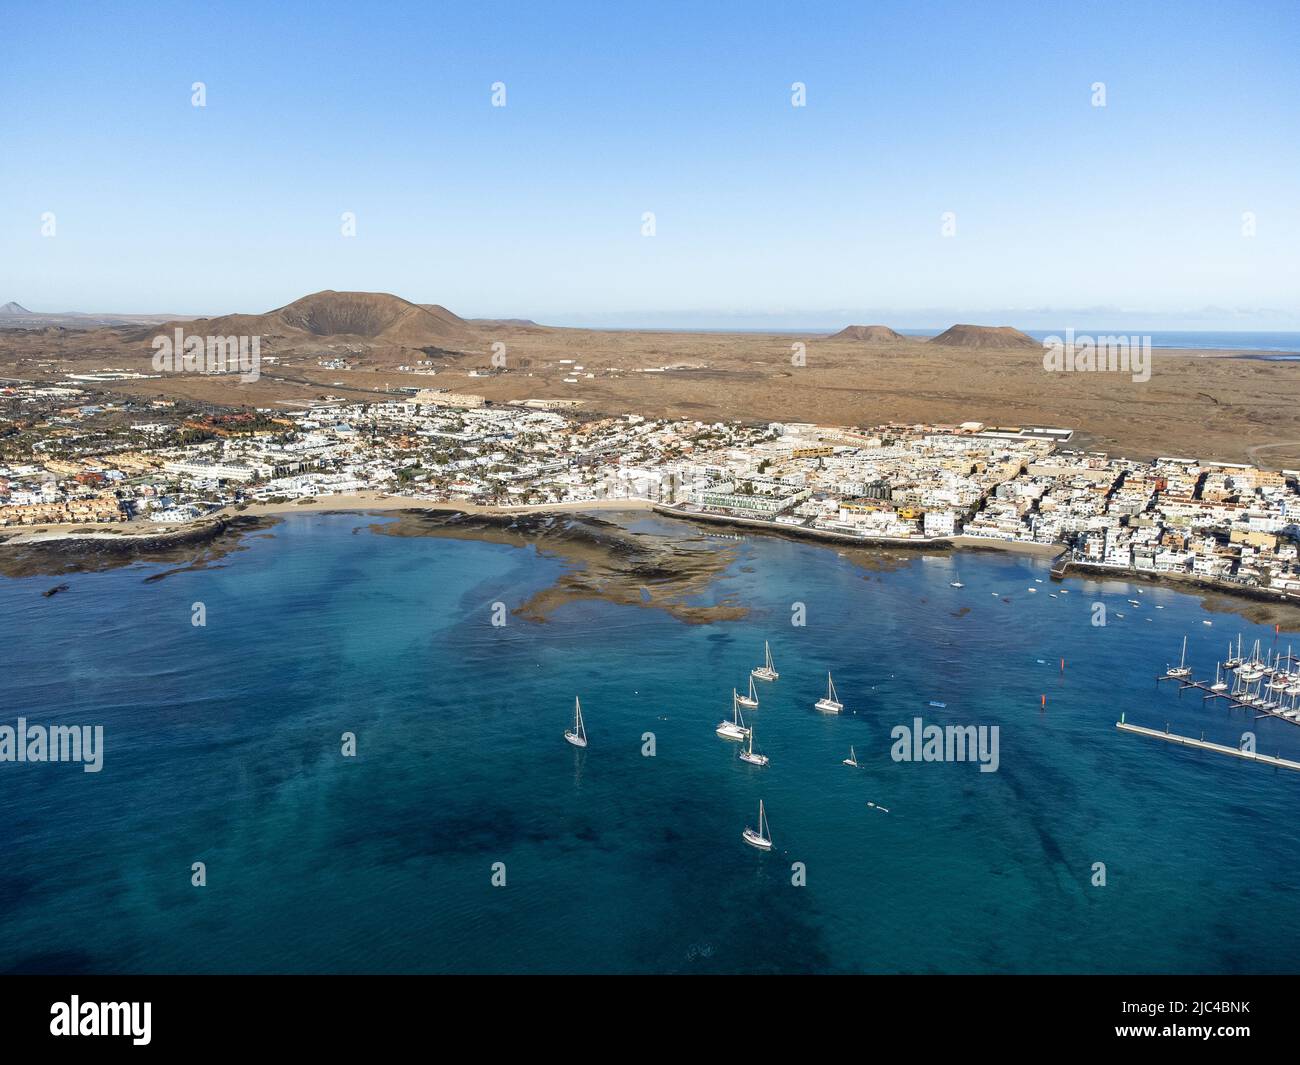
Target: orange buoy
x=1044 y=702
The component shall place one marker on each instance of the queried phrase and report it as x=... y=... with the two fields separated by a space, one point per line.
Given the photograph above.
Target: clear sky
x=764 y=213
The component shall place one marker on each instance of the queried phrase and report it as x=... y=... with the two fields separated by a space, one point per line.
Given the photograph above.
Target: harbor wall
x=803 y=533
x=1181 y=581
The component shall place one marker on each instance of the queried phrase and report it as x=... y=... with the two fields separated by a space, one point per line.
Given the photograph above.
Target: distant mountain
x=984 y=337
x=376 y=319
x=870 y=334
x=16 y=316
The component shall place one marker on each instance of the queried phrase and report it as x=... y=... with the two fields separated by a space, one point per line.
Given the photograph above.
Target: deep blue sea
x=1279 y=342
x=1196 y=339
x=222 y=745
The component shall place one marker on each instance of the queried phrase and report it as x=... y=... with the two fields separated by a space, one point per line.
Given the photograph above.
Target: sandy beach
x=365 y=501
x=358 y=502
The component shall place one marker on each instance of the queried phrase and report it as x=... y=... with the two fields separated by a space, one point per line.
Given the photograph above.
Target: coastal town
x=70 y=456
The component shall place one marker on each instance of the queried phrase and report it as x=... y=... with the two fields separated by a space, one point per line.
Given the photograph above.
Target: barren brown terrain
x=1196 y=404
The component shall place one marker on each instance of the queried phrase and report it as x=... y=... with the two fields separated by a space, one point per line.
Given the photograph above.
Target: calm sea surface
x=1258 y=340
x=1195 y=339
x=222 y=746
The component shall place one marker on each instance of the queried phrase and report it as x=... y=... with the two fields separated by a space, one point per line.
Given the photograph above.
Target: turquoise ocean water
x=222 y=746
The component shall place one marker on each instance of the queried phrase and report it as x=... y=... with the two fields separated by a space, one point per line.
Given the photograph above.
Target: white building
x=940 y=523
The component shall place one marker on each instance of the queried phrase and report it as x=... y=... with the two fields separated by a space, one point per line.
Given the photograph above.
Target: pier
x=1205 y=745
x=1239 y=698
x=1237 y=701
x=1201 y=685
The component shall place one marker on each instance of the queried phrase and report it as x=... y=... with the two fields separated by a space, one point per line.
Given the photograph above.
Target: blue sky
x=765 y=213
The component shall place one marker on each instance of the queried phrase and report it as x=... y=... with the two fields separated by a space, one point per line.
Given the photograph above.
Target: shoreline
x=933 y=543
x=368 y=501
x=117 y=534
x=66 y=542
x=1231 y=597
x=143 y=532
x=1204 y=584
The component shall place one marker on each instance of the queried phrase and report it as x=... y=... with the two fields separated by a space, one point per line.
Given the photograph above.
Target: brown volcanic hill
x=871 y=334
x=985 y=337
x=376 y=318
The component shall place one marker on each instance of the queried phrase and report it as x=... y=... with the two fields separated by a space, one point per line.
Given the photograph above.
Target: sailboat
x=956 y=584
x=748 y=755
x=1182 y=669
x=829 y=704
x=1219 y=683
x=760 y=837
x=1234 y=660
x=766 y=671
x=735 y=728
x=1290 y=713
x=578 y=734
x=750 y=701
x=852 y=759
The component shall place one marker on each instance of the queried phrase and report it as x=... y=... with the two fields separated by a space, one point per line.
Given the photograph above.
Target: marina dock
x=1205 y=745
x=1239 y=697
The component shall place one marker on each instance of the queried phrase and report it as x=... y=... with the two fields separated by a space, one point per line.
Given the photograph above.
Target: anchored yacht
x=760 y=837
x=767 y=671
x=578 y=734
x=829 y=704
x=735 y=728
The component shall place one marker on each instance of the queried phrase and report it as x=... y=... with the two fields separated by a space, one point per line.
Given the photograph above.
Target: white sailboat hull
x=753 y=759
x=828 y=706
x=763 y=673
x=755 y=840
x=747 y=703
x=729 y=730
x=574 y=738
